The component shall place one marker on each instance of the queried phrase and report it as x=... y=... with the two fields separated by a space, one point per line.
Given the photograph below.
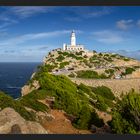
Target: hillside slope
x=50 y=97
x=103 y=65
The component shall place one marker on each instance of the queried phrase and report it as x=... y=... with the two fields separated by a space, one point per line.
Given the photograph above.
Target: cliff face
x=59 y=62
x=12 y=123
x=76 y=105
x=29 y=88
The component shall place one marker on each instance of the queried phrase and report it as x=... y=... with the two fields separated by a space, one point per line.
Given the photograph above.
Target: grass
x=68 y=97
x=63 y=64
x=7 y=101
x=90 y=74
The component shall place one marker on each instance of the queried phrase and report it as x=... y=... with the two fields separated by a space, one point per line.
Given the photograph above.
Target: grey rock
x=12 y=123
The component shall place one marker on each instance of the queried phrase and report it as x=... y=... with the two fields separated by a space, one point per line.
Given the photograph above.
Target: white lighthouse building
x=73 y=46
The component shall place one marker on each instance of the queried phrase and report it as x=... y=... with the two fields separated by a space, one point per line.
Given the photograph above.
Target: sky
x=28 y=33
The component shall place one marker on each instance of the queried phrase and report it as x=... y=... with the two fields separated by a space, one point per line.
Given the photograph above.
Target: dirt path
x=61 y=125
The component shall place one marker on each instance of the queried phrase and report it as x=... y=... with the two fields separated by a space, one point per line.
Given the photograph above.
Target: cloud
x=124 y=24
x=9 y=51
x=13 y=15
x=108 y=36
x=43 y=48
x=6 y=21
x=98 y=13
x=132 y=54
x=33 y=36
x=79 y=13
x=92 y=12
x=18 y=49
x=28 y=11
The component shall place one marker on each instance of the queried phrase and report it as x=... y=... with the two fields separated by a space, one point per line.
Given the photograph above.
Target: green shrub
x=95 y=119
x=82 y=121
x=71 y=75
x=87 y=74
x=79 y=58
x=79 y=53
x=109 y=59
x=107 y=55
x=100 y=54
x=114 y=55
x=7 y=101
x=90 y=74
x=126 y=114
x=59 y=52
x=87 y=118
x=65 y=53
x=63 y=64
x=60 y=58
x=33 y=103
x=126 y=59
x=105 y=92
x=87 y=90
x=129 y=70
x=46 y=68
x=38 y=94
x=72 y=55
x=100 y=104
x=68 y=97
x=109 y=71
x=103 y=76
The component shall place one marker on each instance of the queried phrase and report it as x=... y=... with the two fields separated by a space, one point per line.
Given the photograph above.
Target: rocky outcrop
x=12 y=123
x=29 y=88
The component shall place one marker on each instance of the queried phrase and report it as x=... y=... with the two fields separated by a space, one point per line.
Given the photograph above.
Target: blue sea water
x=13 y=76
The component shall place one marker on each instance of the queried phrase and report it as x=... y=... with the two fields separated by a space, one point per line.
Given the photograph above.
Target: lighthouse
x=73 y=39
x=73 y=46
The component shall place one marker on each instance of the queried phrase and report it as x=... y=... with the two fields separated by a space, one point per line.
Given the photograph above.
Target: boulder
x=12 y=123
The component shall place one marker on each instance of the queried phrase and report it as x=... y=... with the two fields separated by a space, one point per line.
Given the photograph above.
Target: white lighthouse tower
x=73 y=46
x=73 y=39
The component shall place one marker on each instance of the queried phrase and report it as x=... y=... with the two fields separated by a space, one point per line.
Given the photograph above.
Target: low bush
x=90 y=74
x=63 y=64
x=71 y=75
x=87 y=74
x=34 y=104
x=60 y=58
x=126 y=59
x=7 y=101
x=68 y=97
x=126 y=114
x=87 y=118
x=100 y=104
x=104 y=91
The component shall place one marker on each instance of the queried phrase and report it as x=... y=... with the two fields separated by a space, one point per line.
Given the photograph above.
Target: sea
x=14 y=75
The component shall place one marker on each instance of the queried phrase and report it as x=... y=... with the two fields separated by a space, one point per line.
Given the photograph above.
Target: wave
x=20 y=77
x=13 y=87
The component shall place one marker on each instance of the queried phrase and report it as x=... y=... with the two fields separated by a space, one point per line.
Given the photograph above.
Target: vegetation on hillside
x=80 y=101
x=126 y=114
x=128 y=70
x=68 y=97
x=90 y=74
x=7 y=101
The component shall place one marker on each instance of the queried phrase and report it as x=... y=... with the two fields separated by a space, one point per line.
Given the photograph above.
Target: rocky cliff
x=52 y=103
